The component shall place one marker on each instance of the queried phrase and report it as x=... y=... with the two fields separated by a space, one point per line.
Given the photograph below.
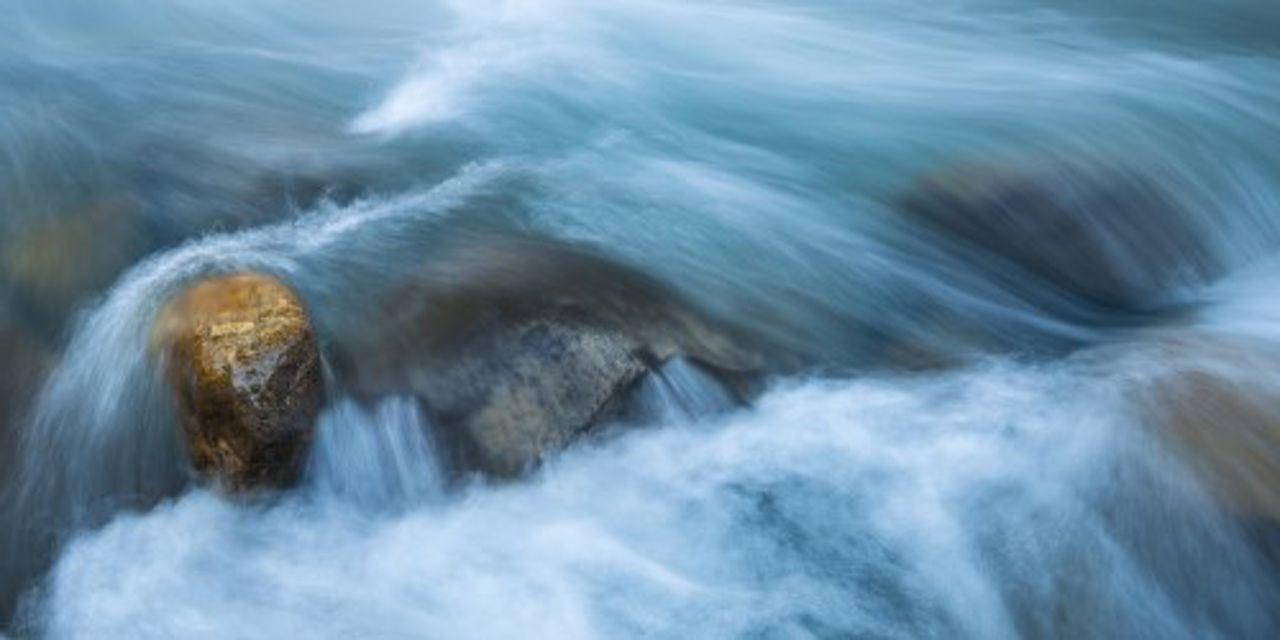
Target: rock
x=1221 y=416
x=53 y=263
x=517 y=347
x=527 y=390
x=1110 y=239
x=242 y=358
x=24 y=363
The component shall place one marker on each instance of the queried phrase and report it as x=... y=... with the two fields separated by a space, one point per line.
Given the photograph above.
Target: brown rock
x=55 y=262
x=244 y=365
x=1220 y=410
x=518 y=346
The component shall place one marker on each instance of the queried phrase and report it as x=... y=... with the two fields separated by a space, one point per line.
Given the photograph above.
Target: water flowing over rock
x=518 y=346
x=447 y=319
x=53 y=263
x=24 y=363
x=1108 y=238
x=1222 y=417
x=245 y=370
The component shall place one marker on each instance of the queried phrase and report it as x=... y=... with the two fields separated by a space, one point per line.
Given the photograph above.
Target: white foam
x=900 y=508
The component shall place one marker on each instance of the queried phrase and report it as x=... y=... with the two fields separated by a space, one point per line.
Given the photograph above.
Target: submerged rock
x=24 y=362
x=1221 y=417
x=242 y=359
x=1111 y=239
x=52 y=263
x=516 y=347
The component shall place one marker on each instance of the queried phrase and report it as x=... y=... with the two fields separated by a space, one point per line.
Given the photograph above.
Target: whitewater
x=1012 y=482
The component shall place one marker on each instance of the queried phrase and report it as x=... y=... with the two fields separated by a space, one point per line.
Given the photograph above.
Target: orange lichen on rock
x=242 y=359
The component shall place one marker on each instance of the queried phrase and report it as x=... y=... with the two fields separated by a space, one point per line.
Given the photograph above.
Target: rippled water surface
x=947 y=443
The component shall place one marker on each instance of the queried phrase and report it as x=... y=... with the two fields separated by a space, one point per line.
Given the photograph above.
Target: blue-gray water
x=749 y=154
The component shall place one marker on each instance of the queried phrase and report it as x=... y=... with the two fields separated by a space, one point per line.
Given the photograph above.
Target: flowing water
x=943 y=448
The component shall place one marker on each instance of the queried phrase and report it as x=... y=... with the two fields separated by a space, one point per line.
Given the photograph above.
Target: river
x=1003 y=479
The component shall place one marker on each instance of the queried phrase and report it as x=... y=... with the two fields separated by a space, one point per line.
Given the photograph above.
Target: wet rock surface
x=1108 y=240
x=517 y=346
x=52 y=264
x=1222 y=417
x=242 y=358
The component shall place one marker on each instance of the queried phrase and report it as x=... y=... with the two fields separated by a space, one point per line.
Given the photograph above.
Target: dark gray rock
x=25 y=360
x=1109 y=239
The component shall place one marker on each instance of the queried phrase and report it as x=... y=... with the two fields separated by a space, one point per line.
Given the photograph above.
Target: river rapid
x=941 y=447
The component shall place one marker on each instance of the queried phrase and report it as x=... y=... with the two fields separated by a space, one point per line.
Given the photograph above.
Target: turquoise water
x=751 y=155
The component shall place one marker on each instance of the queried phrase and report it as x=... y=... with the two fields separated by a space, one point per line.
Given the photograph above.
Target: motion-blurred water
x=945 y=448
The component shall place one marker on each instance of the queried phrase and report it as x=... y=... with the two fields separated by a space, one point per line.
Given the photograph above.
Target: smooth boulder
x=1110 y=241
x=517 y=347
x=241 y=355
